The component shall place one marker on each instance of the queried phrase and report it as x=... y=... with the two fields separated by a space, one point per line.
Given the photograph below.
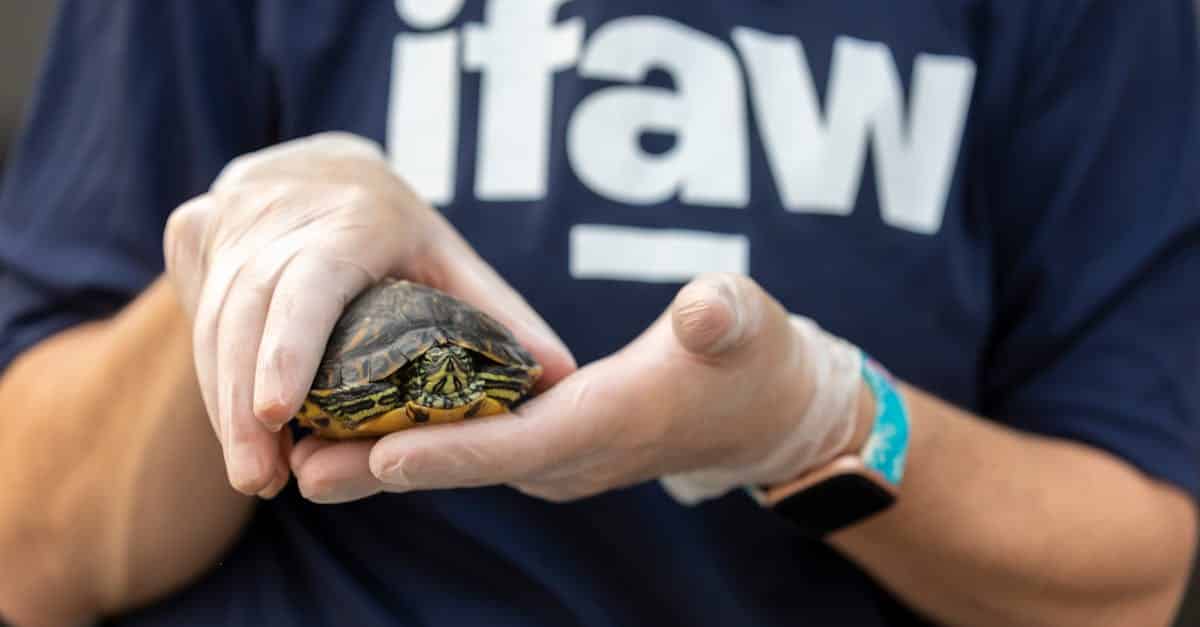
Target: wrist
x=863 y=418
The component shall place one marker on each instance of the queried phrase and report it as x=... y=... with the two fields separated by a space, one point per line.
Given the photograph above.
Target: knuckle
x=180 y=224
x=355 y=196
x=184 y=230
x=236 y=170
x=271 y=200
x=258 y=275
x=343 y=143
x=253 y=200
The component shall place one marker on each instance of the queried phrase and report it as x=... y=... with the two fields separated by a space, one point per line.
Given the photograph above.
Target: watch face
x=836 y=502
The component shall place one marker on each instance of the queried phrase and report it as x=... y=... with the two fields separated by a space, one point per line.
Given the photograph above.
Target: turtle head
x=446 y=370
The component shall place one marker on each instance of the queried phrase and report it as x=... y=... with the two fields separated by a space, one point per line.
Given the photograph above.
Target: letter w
x=817 y=162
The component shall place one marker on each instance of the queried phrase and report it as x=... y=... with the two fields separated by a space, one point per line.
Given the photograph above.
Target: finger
x=334 y=472
x=204 y=340
x=460 y=271
x=547 y=432
x=716 y=314
x=297 y=328
x=492 y=451
x=251 y=449
x=303 y=449
x=183 y=246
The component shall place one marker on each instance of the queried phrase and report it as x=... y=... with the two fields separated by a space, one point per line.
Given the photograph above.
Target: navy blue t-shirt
x=995 y=198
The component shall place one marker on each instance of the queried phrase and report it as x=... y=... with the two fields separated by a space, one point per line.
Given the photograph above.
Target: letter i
x=423 y=115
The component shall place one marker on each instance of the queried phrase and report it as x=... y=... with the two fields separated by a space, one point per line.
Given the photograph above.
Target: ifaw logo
x=816 y=151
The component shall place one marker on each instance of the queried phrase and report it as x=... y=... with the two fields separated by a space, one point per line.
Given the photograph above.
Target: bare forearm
x=997 y=527
x=112 y=486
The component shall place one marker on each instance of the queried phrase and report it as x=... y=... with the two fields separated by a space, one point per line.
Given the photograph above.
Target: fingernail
x=269 y=405
x=270 y=417
x=732 y=296
x=708 y=317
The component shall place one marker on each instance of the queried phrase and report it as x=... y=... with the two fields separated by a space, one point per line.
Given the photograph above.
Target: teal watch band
x=887 y=445
x=853 y=486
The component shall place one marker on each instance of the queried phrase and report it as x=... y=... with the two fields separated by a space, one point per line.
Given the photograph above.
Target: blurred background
x=22 y=39
x=23 y=29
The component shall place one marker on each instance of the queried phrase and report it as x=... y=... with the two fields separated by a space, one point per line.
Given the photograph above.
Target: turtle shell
x=394 y=322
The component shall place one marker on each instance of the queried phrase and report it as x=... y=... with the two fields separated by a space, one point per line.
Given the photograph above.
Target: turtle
x=403 y=354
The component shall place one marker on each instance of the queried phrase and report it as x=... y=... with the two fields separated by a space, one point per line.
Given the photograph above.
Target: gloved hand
x=725 y=389
x=267 y=259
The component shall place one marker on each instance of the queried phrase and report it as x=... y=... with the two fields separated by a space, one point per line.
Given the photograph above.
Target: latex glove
x=723 y=390
x=266 y=261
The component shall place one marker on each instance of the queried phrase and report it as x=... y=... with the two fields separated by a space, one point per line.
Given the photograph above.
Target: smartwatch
x=856 y=485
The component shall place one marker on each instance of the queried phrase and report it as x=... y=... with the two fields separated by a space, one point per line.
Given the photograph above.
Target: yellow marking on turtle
x=451 y=375
x=491 y=376
x=374 y=408
x=399 y=419
x=508 y=395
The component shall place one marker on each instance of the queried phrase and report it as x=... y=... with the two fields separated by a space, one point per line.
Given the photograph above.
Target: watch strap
x=852 y=486
x=887 y=444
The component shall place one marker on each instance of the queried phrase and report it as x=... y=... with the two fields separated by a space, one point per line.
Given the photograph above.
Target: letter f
x=518 y=49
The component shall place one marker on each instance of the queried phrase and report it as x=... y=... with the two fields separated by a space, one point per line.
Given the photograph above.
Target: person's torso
x=599 y=154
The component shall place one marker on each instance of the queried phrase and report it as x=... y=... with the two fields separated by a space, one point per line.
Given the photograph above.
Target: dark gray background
x=23 y=27
x=22 y=36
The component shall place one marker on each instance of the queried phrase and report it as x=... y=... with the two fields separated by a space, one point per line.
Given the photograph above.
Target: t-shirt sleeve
x=138 y=105
x=1097 y=211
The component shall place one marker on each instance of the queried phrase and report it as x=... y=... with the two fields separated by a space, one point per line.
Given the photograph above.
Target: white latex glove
x=267 y=259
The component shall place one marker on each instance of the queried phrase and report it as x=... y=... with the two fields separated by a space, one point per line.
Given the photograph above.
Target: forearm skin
x=999 y=527
x=112 y=485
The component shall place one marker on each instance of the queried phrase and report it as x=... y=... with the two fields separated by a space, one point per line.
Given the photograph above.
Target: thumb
x=717 y=314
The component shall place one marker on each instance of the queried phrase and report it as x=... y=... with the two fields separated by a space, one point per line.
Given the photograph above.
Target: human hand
x=725 y=389
x=265 y=262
